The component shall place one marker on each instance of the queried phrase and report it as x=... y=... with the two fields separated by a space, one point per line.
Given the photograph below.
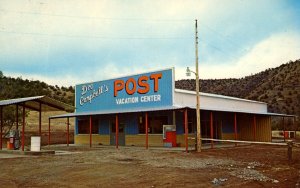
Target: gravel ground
x=247 y=166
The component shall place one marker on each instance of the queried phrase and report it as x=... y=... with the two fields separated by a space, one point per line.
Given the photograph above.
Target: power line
x=91 y=36
x=96 y=17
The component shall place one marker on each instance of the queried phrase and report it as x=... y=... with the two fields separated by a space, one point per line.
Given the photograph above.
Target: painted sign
x=151 y=89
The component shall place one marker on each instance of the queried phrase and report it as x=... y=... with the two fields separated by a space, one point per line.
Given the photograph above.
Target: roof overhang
x=39 y=103
x=135 y=110
x=119 y=111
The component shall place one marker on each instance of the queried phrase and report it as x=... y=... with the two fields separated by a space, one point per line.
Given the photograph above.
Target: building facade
x=138 y=110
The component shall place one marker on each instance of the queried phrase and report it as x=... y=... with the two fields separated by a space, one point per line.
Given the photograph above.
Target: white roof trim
x=217 y=96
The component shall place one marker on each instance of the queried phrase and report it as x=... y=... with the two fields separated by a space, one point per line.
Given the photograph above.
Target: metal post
x=49 y=132
x=23 y=128
x=283 y=129
x=91 y=131
x=117 y=132
x=17 y=117
x=235 y=128
x=146 y=129
x=68 y=131
x=197 y=94
x=211 y=130
x=40 y=120
x=1 y=125
x=254 y=127
x=186 y=130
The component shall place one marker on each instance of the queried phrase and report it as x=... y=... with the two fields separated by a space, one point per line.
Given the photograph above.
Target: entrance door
x=121 y=136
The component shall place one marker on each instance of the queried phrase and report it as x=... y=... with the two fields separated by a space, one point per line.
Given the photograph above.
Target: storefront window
x=84 y=126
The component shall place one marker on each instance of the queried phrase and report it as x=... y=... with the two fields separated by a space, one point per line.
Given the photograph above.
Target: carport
x=36 y=103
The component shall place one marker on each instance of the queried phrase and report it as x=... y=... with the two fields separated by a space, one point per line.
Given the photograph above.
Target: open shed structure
x=137 y=110
x=36 y=103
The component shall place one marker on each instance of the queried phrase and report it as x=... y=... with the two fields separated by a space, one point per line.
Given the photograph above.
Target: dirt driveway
x=244 y=166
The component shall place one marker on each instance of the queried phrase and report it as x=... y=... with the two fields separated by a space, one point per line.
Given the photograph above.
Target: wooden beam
x=186 y=130
x=68 y=131
x=91 y=124
x=40 y=121
x=254 y=127
x=49 y=132
x=117 y=132
x=283 y=129
x=1 y=125
x=146 y=129
x=211 y=130
x=17 y=117
x=23 y=129
x=235 y=128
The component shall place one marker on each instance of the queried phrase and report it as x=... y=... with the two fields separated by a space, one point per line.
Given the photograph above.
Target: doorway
x=121 y=135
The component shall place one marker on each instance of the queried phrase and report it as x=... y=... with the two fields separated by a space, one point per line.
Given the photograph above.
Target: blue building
x=138 y=110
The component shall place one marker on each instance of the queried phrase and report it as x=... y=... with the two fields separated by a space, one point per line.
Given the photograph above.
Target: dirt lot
x=242 y=166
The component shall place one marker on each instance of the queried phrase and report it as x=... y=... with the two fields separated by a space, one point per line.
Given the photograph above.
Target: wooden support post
x=235 y=128
x=68 y=122
x=146 y=129
x=23 y=128
x=211 y=130
x=254 y=127
x=290 y=151
x=283 y=129
x=49 y=132
x=1 y=125
x=117 y=132
x=186 y=130
x=40 y=120
x=17 y=117
x=91 y=131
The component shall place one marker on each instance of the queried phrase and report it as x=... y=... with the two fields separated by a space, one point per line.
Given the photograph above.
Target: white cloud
x=268 y=53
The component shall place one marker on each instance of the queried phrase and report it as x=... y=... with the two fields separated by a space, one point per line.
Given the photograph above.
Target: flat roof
x=33 y=103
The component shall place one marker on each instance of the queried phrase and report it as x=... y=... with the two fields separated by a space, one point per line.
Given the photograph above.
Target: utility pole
x=198 y=149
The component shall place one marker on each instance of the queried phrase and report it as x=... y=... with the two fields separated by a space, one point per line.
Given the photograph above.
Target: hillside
x=18 y=88
x=279 y=87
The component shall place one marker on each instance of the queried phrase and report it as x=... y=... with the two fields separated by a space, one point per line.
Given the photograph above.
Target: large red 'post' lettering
x=142 y=82
x=118 y=86
x=128 y=90
x=155 y=77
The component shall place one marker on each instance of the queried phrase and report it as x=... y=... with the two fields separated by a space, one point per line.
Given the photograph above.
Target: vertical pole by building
x=49 y=136
x=91 y=131
x=40 y=120
x=197 y=93
x=254 y=127
x=146 y=129
x=17 y=117
x=211 y=130
x=1 y=125
x=186 y=130
x=68 y=135
x=117 y=132
x=283 y=129
x=23 y=128
x=235 y=128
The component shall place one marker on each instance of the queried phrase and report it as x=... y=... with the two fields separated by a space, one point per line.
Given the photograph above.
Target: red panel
x=171 y=138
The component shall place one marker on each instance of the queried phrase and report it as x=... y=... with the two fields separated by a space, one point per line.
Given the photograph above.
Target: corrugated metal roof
x=246 y=112
x=77 y=114
x=217 y=96
x=118 y=111
x=48 y=104
x=19 y=100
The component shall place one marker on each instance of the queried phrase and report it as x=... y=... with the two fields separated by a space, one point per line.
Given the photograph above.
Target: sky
x=65 y=42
